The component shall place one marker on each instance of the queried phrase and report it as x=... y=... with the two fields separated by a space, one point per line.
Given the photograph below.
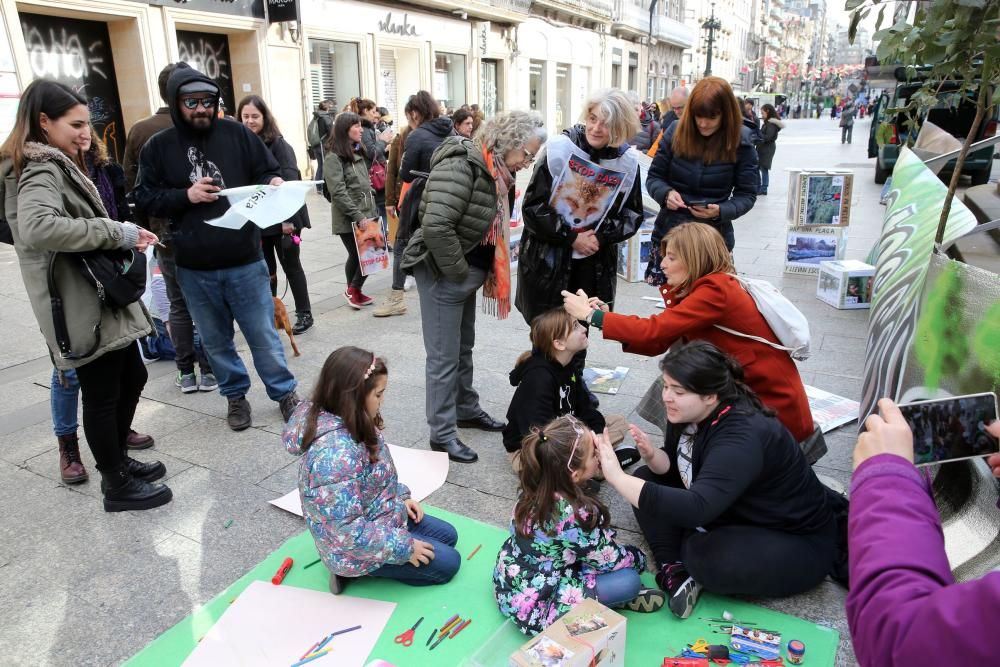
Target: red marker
x=459 y=628
x=279 y=576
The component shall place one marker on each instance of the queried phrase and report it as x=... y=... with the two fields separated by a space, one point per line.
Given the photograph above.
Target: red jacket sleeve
x=703 y=307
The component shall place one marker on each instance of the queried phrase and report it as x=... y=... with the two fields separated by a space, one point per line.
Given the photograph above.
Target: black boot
x=123 y=492
x=146 y=472
x=303 y=323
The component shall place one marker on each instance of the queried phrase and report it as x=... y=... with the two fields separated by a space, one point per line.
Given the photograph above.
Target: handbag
x=119 y=276
x=377 y=174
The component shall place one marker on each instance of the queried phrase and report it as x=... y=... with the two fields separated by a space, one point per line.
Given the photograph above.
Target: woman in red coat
x=702 y=292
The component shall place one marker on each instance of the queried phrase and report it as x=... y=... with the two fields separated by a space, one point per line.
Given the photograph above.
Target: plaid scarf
x=496 y=289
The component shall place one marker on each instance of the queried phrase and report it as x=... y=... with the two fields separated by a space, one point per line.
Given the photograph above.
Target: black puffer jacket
x=543 y=269
x=421 y=144
x=732 y=185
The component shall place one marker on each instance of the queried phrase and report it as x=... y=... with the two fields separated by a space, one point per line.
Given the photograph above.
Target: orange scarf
x=496 y=289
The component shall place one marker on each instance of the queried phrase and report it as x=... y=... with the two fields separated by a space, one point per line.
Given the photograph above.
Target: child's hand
x=414 y=510
x=609 y=460
x=646 y=449
x=423 y=553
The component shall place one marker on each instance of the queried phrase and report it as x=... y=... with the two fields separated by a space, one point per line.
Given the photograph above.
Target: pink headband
x=371 y=369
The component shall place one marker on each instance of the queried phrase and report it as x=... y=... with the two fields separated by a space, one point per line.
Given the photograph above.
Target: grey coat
x=351 y=195
x=54 y=208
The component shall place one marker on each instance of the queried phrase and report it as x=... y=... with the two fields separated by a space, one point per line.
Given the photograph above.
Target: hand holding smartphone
x=952 y=429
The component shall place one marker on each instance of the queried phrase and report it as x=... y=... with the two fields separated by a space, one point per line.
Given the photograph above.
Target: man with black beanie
x=221 y=271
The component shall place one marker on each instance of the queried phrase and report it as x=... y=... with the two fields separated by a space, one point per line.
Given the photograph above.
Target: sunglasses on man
x=193 y=102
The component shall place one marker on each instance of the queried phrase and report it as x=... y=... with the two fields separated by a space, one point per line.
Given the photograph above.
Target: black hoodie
x=421 y=144
x=178 y=156
x=545 y=390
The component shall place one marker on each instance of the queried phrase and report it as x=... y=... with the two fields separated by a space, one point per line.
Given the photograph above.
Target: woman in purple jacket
x=904 y=607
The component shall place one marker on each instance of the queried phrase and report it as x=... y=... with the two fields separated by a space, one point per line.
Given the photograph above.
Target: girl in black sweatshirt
x=548 y=387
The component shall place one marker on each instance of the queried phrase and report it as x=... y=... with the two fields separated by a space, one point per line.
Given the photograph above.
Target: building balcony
x=501 y=11
x=673 y=32
x=629 y=20
x=593 y=11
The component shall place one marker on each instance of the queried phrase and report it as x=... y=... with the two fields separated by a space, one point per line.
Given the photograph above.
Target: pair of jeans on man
x=242 y=294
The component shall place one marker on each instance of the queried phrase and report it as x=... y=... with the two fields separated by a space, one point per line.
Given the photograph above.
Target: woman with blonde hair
x=703 y=295
x=705 y=169
x=574 y=245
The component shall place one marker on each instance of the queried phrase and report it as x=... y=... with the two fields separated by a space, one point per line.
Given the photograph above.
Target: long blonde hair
x=701 y=248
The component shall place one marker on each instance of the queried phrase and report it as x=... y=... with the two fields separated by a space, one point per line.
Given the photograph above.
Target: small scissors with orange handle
x=406 y=638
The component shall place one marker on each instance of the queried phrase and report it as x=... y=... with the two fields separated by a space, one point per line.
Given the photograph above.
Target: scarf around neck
x=496 y=289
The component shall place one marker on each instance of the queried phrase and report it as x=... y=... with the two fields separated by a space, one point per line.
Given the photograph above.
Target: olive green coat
x=53 y=207
x=351 y=196
x=457 y=208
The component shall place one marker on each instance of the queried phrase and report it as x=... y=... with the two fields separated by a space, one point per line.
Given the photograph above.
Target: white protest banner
x=263 y=205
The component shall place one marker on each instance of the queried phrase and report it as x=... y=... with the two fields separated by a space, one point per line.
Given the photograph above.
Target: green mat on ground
x=651 y=637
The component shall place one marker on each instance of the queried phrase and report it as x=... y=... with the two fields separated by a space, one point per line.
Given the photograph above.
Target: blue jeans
x=64 y=402
x=446 y=560
x=616 y=588
x=241 y=293
x=764 y=179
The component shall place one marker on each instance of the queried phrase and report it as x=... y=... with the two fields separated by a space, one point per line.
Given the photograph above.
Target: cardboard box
x=633 y=256
x=805 y=249
x=845 y=284
x=589 y=630
x=819 y=198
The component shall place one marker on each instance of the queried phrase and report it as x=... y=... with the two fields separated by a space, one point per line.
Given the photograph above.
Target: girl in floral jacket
x=362 y=518
x=561 y=549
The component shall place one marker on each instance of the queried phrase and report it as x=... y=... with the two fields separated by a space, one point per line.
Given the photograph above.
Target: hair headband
x=371 y=369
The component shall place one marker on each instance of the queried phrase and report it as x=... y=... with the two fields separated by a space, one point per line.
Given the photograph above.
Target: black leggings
x=110 y=386
x=288 y=254
x=741 y=559
x=352 y=267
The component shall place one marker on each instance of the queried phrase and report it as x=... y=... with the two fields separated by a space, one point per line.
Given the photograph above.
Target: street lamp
x=711 y=25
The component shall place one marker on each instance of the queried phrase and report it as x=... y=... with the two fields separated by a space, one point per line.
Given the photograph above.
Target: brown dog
x=282 y=323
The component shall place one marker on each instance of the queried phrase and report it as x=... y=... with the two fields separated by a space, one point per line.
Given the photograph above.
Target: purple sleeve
x=904 y=607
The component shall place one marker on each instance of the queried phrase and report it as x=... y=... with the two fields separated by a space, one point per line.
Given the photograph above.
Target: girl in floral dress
x=561 y=549
x=359 y=513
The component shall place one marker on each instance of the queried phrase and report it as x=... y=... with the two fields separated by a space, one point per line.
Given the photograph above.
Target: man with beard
x=221 y=271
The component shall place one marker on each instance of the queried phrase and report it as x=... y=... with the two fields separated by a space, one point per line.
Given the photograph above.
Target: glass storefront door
x=334 y=72
x=208 y=53
x=449 y=79
x=490 y=102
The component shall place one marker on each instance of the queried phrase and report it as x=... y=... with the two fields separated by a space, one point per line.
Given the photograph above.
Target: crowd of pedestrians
x=733 y=471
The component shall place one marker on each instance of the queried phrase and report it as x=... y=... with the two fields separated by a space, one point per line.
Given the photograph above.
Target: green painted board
x=486 y=640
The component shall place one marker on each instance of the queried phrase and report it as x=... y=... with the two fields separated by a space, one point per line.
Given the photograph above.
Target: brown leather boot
x=70 y=466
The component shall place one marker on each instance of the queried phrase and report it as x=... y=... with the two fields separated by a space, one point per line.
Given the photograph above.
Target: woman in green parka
x=55 y=211
x=352 y=198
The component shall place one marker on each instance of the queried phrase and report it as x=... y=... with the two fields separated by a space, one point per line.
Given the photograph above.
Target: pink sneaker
x=363 y=298
x=351 y=295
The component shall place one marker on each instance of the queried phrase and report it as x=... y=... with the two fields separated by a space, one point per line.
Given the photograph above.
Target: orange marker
x=474 y=551
x=279 y=576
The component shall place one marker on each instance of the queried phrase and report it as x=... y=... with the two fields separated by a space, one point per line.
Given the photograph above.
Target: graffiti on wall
x=209 y=54
x=78 y=54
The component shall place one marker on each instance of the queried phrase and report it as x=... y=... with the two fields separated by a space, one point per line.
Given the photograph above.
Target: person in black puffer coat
x=767 y=145
x=709 y=156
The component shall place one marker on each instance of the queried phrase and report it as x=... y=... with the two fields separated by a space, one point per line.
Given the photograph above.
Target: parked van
x=890 y=132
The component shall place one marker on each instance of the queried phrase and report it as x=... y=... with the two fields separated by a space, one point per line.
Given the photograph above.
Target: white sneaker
x=409 y=283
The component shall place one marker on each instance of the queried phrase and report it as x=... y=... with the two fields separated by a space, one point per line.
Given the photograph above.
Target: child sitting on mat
x=561 y=549
x=362 y=518
x=549 y=387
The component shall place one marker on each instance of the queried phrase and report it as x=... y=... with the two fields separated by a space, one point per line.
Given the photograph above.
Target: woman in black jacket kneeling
x=729 y=503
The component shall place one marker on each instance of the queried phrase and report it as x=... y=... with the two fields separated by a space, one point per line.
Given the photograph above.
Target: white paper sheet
x=423 y=471
x=270 y=626
x=830 y=410
x=263 y=205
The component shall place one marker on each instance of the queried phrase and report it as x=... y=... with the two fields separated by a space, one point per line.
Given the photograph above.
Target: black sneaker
x=627 y=455
x=647 y=601
x=303 y=323
x=238 y=417
x=681 y=589
x=288 y=405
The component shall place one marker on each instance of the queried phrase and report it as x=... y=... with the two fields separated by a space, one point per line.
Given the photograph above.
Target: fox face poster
x=373 y=250
x=584 y=192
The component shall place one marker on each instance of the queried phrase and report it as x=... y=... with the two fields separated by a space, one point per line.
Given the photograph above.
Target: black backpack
x=409 y=212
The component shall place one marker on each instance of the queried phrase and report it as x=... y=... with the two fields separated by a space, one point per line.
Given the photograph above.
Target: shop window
x=490 y=87
x=209 y=54
x=651 y=89
x=633 y=71
x=616 y=68
x=563 y=102
x=399 y=67
x=663 y=89
x=449 y=79
x=78 y=54
x=536 y=86
x=334 y=72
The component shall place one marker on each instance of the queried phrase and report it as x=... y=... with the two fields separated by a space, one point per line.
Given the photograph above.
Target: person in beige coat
x=54 y=211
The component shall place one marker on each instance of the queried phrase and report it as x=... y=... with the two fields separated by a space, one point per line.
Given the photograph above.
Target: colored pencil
x=474 y=552
x=306 y=654
x=345 y=631
x=312 y=563
x=460 y=628
x=440 y=639
x=312 y=657
x=446 y=629
x=431 y=638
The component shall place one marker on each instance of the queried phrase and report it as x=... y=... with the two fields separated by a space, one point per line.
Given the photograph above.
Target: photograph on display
x=578 y=625
x=605 y=380
x=807 y=250
x=584 y=192
x=373 y=249
x=823 y=197
x=951 y=428
x=548 y=653
x=859 y=290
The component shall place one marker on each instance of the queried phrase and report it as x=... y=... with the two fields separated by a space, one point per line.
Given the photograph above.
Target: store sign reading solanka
x=405 y=29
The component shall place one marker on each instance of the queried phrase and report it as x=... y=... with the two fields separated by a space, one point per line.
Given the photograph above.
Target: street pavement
x=82 y=587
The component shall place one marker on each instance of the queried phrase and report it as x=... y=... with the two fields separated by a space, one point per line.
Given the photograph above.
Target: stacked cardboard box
x=819 y=212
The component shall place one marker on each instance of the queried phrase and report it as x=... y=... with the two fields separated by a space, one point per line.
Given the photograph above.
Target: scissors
x=406 y=638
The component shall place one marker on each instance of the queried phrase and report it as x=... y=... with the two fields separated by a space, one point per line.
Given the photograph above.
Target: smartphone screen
x=951 y=429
